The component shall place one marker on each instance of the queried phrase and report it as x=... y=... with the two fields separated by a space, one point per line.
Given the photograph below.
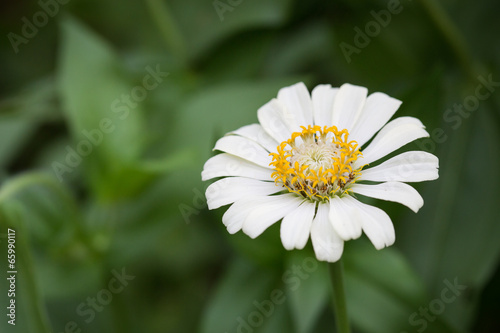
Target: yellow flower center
x=316 y=163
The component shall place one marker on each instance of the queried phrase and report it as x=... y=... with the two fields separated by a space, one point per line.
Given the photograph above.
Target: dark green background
x=136 y=202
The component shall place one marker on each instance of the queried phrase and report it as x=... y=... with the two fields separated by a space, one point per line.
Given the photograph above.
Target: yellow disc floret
x=316 y=163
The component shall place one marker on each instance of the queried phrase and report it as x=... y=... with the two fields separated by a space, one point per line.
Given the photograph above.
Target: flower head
x=316 y=163
x=307 y=159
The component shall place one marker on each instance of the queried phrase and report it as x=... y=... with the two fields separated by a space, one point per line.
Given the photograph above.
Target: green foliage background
x=137 y=202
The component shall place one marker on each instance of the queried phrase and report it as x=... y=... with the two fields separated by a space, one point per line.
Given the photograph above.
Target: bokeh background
x=135 y=203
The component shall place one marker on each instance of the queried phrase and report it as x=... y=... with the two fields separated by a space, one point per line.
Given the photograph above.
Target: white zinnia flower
x=304 y=162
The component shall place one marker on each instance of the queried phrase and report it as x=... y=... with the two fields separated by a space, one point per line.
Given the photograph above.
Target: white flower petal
x=231 y=189
x=235 y=216
x=297 y=103
x=274 y=121
x=223 y=165
x=392 y=191
x=296 y=226
x=378 y=109
x=244 y=148
x=256 y=133
x=322 y=97
x=348 y=105
x=411 y=166
x=392 y=136
x=273 y=209
x=327 y=244
x=344 y=218
x=377 y=225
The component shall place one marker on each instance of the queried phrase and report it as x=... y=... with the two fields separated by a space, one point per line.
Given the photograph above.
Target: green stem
x=339 y=303
x=451 y=34
x=165 y=22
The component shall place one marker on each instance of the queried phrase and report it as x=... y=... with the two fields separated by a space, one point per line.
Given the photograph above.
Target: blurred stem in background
x=30 y=297
x=34 y=300
x=18 y=184
x=339 y=303
x=11 y=217
x=452 y=35
x=168 y=28
x=458 y=45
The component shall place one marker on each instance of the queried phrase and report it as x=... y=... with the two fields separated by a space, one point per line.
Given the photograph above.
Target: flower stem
x=452 y=35
x=164 y=19
x=339 y=304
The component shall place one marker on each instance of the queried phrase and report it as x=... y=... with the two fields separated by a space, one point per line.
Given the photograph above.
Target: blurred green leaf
x=93 y=86
x=396 y=53
x=461 y=215
x=48 y=213
x=382 y=289
x=210 y=113
x=14 y=133
x=96 y=91
x=91 y=80
x=240 y=58
x=204 y=24
x=233 y=303
x=20 y=115
x=43 y=195
x=266 y=249
x=280 y=321
x=310 y=46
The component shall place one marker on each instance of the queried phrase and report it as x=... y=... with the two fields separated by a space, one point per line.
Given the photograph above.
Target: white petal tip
x=205 y=176
x=330 y=256
x=329 y=259
x=211 y=205
x=417 y=207
x=232 y=229
x=250 y=232
x=390 y=243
